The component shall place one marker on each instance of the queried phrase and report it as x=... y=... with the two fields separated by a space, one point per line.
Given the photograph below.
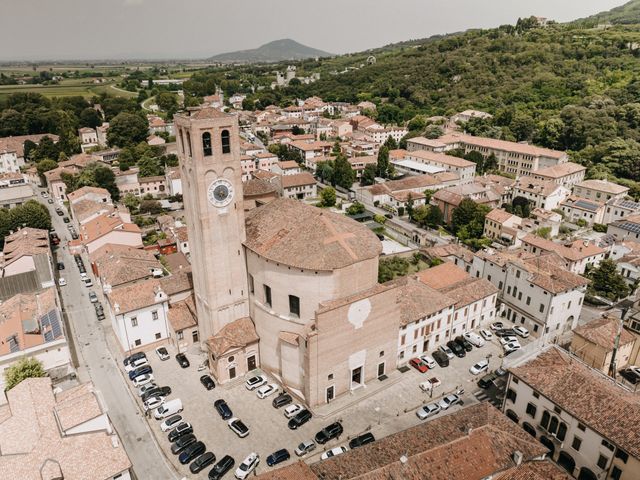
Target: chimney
x=517 y=457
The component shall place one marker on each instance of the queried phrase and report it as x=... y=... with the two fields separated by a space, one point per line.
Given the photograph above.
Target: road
x=94 y=344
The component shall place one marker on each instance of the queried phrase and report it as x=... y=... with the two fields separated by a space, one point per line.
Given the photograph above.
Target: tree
x=149 y=167
x=368 y=175
x=355 y=209
x=45 y=165
x=327 y=197
x=435 y=218
x=391 y=143
x=127 y=129
x=420 y=214
x=409 y=205
x=343 y=174
x=382 y=166
x=89 y=117
x=26 y=367
x=131 y=202
x=607 y=282
x=464 y=214
x=93 y=175
x=30 y=214
x=168 y=102
x=150 y=206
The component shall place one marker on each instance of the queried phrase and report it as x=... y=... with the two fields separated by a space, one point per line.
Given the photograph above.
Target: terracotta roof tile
x=298 y=180
x=237 y=334
x=183 y=315
x=603 y=332
x=417 y=300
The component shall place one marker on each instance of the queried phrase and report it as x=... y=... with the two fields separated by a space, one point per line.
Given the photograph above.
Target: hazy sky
x=101 y=29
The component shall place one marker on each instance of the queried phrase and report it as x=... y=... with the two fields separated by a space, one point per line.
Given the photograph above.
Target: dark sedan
x=281 y=400
x=223 y=409
x=223 y=466
x=140 y=371
x=191 y=452
x=182 y=360
x=278 y=457
x=362 y=440
x=156 y=392
x=202 y=462
x=464 y=343
x=328 y=433
x=182 y=443
x=207 y=381
x=302 y=417
x=456 y=348
x=180 y=430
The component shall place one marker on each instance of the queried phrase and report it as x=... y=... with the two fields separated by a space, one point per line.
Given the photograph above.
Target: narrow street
x=94 y=344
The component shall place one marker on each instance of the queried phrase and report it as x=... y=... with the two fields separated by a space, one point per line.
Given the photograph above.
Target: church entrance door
x=356 y=377
x=330 y=393
x=232 y=373
x=251 y=363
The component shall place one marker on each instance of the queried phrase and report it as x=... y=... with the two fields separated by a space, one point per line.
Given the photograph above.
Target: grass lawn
x=67 y=88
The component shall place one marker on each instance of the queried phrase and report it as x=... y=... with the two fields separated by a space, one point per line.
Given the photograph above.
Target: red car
x=419 y=365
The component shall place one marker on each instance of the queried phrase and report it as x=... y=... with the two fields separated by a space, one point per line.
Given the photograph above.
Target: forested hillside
x=629 y=13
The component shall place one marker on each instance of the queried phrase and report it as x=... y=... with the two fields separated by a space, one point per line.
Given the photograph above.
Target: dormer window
x=225 y=139
x=206 y=144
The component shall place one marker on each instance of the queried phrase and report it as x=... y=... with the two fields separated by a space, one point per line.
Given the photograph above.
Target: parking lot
x=383 y=407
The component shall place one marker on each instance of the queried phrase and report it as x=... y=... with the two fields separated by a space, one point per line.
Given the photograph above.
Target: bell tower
x=209 y=152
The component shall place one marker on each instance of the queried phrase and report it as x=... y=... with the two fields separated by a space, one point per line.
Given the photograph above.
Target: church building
x=286 y=287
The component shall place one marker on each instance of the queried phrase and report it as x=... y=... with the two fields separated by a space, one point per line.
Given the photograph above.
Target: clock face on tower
x=220 y=193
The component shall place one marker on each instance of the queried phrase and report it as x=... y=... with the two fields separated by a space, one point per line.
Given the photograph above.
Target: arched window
x=206 y=144
x=226 y=141
x=189 y=143
x=181 y=141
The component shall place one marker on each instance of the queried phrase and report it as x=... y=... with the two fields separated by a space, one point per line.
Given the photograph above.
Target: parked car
x=223 y=409
x=207 y=381
x=429 y=361
x=505 y=332
x=631 y=374
x=62 y=282
x=180 y=430
x=238 y=427
x=495 y=326
x=60 y=265
x=419 y=365
x=182 y=443
x=88 y=282
x=305 y=447
x=299 y=419
x=202 y=462
x=170 y=423
x=447 y=351
x=480 y=367
x=521 y=331
x=266 y=390
x=99 y=311
x=74 y=234
x=430 y=384
x=59 y=212
x=464 y=343
x=328 y=433
x=247 y=466
x=140 y=371
x=50 y=200
x=474 y=339
x=456 y=348
x=142 y=379
x=509 y=339
x=191 y=452
x=428 y=411
x=362 y=440
x=487 y=380
x=168 y=408
x=334 y=452
x=447 y=401
x=441 y=358
x=500 y=372
x=162 y=353
x=511 y=347
x=134 y=357
x=223 y=466
x=136 y=363
x=486 y=334
x=255 y=382
x=153 y=402
x=93 y=298
x=66 y=219
x=182 y=360
x=293 y=410
x=278 y=456
x=281 y=400
x=145 y=388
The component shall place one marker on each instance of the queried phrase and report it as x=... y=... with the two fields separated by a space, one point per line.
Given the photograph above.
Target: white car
x=430 y=384
x=266 y=390
x=428 y=411
x=431 y=363
x=141 y=380
x=247 y=466
x=495 y=326
x=486 y=334
x=62 y=282
x=152 y=403
x=170 y=423
x=447 y=351
x=509 y=339
x=447 y=401
x=238 y=427
x=474 y=339
x=511 y=347
x=140 y=362
x=162 y=353
x=480 y=367
x=334 y=452
x=255 y=382
x=521 y=331
x=293 y=410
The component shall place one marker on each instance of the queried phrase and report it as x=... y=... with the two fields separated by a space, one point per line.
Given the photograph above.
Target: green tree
x=45 y=165
x=168 y=102
x=127 y=129
x=382 y=165
x=328 y=197
x=368 y=175
x=409 y=205
x=464 y=214
x=26 y=367
x=355 y=208
x=93 y=175
x=420 y=214
x=149 y=167
x=30 y=214
x=131 y=202
x=607 y=282
x=343 y=174
x=150 y=206
x=89 y=117
x=435 y=218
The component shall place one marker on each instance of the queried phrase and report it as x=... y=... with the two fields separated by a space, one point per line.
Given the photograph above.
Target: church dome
x=292 y=233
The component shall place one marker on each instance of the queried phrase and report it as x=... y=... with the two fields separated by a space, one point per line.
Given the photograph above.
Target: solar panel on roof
x=51 y=319
x=629 y=204
x=586 y=205
x=631 y=227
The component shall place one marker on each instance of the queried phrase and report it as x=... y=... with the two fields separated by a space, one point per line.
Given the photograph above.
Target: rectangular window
x=251 y=287
x=616 y=473
x=134 y=321
x=403 y=339
x=500 y=286
x=602 y=462
x=528 y=300
x=608 y=445
x=154 y=315
x=576 y=444
x=158 y=336
x=519 y=295
x=267 y=295
x=294 y=306
x=541 y=308
x=508 y=290
x=581 y=427
x=180 y=335
x=531 y=410
x=622 y=455
x=138 y=342
x=511 y=395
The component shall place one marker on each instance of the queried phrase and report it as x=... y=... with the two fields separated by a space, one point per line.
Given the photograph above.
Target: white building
x=599 y=190
x=543 y=194
x=587 y=420
x=535 y=290
x=88 y=138
x=577 y=256
x=139 y=313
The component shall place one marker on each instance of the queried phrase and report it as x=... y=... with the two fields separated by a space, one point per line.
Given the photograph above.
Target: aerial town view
x=288 y=241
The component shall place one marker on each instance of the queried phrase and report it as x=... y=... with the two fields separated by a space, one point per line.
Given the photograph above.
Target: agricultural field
x=71 y=87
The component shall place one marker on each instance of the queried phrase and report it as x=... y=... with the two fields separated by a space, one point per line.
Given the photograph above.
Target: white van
x=169 y=408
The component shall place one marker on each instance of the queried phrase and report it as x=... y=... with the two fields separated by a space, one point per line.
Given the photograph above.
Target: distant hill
x=276 y=51
x=626 y=14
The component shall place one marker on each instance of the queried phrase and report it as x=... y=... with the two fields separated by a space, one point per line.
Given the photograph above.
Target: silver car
x=305 y=447
x=428 y=411
x=447 y=401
